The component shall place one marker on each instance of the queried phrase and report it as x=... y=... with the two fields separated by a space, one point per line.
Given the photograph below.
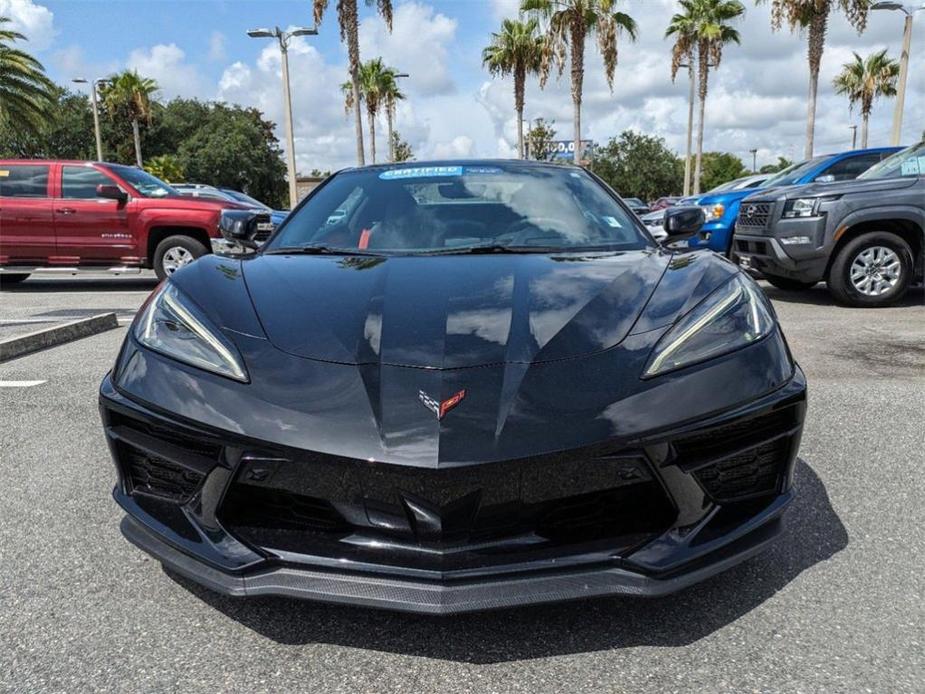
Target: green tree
x=721 y=167
x=166 y=167
x=639 y=166
x=348 y=18
x=539 y=140
x=569 y=22
x=863 y=80
x=235 y=148
x=517 y=50
x=401 y=150
x=67 y=133
x=130 y=95
x=782 y=163
x=812 y=17
x=703 y=27
x=26 y=94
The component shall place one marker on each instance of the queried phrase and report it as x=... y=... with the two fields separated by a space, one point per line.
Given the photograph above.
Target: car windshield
x=242 y=197
x=910 y=162
x=146 y=184
x=793 y=173
x=461 y=208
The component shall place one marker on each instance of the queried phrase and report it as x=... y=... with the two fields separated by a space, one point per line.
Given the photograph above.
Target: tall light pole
x=96 y=113
x=284 y=37
x=909 y=10
x=391 y=116
x=754 y=153
x=854 y=136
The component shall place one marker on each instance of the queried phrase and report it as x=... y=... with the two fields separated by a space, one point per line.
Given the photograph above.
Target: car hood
x=447 y=312
x=810 y=190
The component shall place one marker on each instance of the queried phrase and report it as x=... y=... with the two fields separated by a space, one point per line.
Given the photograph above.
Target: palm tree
x=26 y=94
x=348 y=19
x=863 y=80
x=516 y=50
x=703 y=27
x=376 y=83
x=569 y=22
x=812 y=16
x=391 y=93
x=129 y=94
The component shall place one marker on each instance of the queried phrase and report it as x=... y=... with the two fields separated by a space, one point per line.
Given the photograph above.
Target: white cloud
x=166 y=63
x=458 y=147
x=417 y=44
x=217 y=46
x=34 y=21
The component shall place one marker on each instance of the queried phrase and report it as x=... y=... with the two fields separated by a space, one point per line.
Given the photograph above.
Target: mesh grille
x=157 y=477
x=753 y=473
x=754 y=214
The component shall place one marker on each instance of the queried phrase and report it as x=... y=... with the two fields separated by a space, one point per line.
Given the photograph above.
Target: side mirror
x=248 y=228
x=682 y=222
x=111 y=192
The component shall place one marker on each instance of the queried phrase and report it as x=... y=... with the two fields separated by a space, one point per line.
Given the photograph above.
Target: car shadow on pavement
x=814 y=534
x=819 y=296
x=106 y=284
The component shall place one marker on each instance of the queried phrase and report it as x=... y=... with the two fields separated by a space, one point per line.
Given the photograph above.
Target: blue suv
x=722 y=208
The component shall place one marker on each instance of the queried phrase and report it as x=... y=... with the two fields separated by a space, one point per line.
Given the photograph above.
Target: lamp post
x=854 y=136
x=754 y=153
x=391 y=116
x=909 y=10
x=284 y=37
x=96 y=113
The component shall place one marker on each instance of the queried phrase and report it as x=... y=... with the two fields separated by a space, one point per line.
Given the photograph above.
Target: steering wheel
x=524 y=230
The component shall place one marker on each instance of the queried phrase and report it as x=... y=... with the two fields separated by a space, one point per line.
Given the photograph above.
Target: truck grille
x=754 y=215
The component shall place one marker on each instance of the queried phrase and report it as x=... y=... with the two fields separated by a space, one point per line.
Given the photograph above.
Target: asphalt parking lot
x=837 y=606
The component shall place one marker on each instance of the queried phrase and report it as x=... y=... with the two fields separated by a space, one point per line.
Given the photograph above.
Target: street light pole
x=854 y=136
x=909 y=11
x=754 y=160
x=284 y=37
x=96 y=114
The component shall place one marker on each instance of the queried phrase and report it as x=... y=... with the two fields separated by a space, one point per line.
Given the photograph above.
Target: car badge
x=441 y=408
x=750 y=211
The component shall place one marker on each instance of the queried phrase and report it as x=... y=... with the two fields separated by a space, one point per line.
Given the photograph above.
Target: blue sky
x=198 y=48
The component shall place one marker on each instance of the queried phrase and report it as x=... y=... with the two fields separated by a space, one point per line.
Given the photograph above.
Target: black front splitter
x=428 y=597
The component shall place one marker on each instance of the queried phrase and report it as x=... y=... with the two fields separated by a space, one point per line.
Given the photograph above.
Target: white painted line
x=20 y=384
x=14 y=321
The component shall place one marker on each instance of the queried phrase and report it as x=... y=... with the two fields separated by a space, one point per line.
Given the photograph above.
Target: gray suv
x=865 y=238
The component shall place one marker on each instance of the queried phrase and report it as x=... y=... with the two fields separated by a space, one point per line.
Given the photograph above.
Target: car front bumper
x=704 y=535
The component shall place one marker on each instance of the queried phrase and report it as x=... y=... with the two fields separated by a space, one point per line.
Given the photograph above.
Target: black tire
x=6 y=278
x=840 y=283
x=174 y=247
x=789 y=285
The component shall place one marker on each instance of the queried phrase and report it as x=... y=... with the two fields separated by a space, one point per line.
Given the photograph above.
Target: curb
x=18 y=346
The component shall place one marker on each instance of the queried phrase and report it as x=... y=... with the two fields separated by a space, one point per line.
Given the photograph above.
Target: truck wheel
x=175 y=252
x=874 y=269
x=787 y=284
x=6 y=278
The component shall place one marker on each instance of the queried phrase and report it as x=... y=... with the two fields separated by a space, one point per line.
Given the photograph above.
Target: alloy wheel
x=176 y=257
x=875 y=270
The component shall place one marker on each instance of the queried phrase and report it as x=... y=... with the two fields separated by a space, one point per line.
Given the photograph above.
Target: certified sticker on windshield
x=612 y=222
x=421 y=172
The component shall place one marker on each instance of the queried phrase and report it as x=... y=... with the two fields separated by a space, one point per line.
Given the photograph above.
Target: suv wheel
x=788 y=284
x=9 y=278
x=872 y=270
x=175 y=252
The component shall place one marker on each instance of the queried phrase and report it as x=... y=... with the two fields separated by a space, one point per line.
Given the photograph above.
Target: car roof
x=532 y=163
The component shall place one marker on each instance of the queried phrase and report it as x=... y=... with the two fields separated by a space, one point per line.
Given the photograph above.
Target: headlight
x=173 y=325
x=735 y=315
x=711 y=212
x=801 y=207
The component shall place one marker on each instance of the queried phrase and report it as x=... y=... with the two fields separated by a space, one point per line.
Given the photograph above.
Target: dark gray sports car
x=450 y=387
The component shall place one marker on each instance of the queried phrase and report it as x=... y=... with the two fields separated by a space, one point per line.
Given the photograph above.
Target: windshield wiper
x=492 y=248
x=318 y=249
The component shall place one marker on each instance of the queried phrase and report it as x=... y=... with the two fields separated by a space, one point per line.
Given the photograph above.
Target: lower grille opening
x=151 y=475
x=451 y=519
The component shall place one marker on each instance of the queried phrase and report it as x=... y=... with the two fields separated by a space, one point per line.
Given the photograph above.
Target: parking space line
x=20 y=384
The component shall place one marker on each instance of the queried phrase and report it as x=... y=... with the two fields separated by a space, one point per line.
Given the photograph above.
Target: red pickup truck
x=73 y=215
